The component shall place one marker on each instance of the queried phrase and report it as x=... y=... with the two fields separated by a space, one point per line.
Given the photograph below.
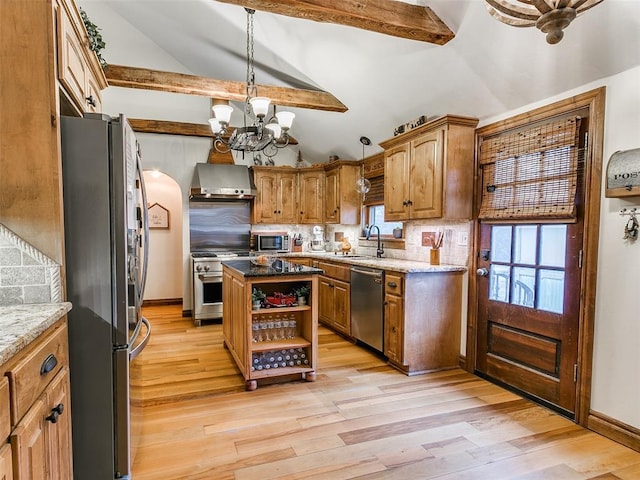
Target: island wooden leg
x=310 y=376
x=250 y=385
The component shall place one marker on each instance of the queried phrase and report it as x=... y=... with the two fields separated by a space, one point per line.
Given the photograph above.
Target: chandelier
x=262 y=136
x=550 y=16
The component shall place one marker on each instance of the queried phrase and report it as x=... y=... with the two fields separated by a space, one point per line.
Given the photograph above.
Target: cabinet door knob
x=482 y=272
x=55 y=413
x=91 y=101
x=392 y=284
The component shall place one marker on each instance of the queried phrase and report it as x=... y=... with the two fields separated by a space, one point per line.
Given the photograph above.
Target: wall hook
x=632 y=226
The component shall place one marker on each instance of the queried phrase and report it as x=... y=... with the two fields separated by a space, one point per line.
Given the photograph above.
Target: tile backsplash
x=454 y=251
x=26 y=275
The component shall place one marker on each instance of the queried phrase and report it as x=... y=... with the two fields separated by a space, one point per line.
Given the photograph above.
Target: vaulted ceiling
x=488 y=68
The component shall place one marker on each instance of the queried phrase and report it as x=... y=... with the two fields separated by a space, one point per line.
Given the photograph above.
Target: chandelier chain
x=251 y=76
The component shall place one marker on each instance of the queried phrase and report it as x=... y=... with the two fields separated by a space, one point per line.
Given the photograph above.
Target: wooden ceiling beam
x=390 y=17
x=179 y=128
x=147 y=79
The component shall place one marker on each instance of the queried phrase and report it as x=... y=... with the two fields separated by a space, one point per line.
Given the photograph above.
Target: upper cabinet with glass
x=429 y=171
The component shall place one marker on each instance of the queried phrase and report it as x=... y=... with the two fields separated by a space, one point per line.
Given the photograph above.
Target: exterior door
x=528 y=309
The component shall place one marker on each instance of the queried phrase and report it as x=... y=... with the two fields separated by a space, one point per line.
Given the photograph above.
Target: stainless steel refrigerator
x=106 y=234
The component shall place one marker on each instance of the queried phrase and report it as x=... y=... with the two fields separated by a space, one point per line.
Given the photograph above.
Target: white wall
x=164 y=277
x=616 y=382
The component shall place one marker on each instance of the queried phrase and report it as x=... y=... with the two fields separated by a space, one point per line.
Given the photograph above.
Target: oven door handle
x=210 y=276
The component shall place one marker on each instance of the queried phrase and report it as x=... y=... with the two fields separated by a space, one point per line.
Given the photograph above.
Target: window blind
x=532 y=173
x=375 y=196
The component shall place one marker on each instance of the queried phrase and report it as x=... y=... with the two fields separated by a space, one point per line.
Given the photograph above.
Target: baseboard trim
x=614 y=429
x=162 y=301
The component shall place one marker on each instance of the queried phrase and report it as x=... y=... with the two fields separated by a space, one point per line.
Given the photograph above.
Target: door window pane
x=501 y=244
x=499 y=283
x=553 y=244
x=551 y=290
x=523 y=287
x=524 y=250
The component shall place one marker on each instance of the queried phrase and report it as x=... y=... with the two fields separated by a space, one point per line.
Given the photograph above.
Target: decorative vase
x=257 y=304
x=302 y=300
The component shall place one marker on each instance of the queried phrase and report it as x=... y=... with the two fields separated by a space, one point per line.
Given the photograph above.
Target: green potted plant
x=301 y=292
x=257 y=296
x=96 y=43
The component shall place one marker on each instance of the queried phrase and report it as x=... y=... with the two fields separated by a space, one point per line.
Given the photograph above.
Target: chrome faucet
x=380 y=250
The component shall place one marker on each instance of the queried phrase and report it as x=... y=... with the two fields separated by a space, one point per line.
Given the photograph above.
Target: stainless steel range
x=207 y=283
x=219 y=228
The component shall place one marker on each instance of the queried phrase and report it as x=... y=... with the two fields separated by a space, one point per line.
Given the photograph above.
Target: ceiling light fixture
x=550 y=16
x=363 y=185
x=260 y=136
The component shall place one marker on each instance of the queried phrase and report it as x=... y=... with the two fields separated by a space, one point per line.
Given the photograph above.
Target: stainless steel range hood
x=215 y=181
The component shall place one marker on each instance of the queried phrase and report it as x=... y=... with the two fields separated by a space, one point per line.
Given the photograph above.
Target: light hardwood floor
x=360 y=419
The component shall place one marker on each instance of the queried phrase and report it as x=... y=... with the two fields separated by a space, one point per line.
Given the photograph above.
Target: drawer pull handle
x=55 y=413
x=49 y=364
x=392 y=284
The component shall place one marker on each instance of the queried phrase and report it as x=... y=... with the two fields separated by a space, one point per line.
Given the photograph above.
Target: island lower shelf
x=270 y=342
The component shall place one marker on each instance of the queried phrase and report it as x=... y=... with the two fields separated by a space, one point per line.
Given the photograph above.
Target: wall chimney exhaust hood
x=220 y=181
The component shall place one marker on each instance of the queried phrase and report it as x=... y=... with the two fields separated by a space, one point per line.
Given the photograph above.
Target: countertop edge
x=22 y=324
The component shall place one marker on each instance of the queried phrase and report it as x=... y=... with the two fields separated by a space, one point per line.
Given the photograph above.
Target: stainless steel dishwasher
x=367 y=305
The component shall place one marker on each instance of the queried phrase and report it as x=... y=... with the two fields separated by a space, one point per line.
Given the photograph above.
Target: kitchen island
x=280 y=337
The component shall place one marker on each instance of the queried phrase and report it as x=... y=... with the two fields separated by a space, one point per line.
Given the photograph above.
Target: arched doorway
x=165 y=272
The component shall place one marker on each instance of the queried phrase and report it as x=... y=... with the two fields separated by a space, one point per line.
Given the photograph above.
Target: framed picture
x=158 y=216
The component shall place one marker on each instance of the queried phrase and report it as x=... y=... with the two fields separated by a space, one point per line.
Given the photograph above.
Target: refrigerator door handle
x=138 y=348
x=145 y=219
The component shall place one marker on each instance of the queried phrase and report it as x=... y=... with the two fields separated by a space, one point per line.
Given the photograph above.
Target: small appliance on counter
x=270 y=242
x=317 y=242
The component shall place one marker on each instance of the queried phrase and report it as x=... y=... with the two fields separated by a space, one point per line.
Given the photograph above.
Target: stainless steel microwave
x=270 y=243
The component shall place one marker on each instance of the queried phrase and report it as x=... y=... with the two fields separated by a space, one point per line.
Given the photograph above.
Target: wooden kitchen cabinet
x=30 y=148
x=306 y=261
x=429 y=171
x=422 y=320
x=79 y=71
x=6 y=467
x=277 y=193
x=334 y=307
x=42 y=440
x=310 y=196
x=393 y=327
x=38 y=378
x=341 y=200
x=334 y=290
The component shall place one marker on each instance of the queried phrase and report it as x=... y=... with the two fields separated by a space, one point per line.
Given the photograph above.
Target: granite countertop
x=278 y=268
x=21 y=324
x=392 y=264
